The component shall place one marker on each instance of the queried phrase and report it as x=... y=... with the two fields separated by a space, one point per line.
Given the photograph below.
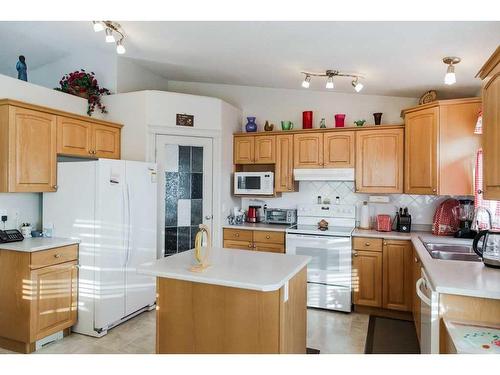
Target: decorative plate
x=428 y=97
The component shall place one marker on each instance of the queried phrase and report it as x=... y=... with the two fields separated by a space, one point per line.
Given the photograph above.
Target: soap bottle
x=364 y=221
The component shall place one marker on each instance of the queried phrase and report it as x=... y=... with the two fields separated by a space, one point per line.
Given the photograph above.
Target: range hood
x=324 y=174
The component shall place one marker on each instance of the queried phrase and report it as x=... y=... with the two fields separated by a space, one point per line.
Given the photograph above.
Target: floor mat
x=312 y=351
x=391 y=336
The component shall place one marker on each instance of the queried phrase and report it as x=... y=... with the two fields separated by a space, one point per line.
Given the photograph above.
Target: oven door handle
x=311 y=236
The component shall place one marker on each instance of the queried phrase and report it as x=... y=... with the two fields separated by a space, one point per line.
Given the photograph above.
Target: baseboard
x=394 y=314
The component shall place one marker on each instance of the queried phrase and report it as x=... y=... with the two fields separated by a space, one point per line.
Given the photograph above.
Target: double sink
x=450 y=251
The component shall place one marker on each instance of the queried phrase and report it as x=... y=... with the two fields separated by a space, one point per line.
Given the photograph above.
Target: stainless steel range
x=329 y=273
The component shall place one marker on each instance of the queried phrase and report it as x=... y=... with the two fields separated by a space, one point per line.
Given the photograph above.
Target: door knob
x=209 y=217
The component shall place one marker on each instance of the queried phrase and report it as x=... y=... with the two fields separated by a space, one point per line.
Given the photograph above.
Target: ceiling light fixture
x=330 y=74
x=449 y=77
x=114 y=33
x=307 y=81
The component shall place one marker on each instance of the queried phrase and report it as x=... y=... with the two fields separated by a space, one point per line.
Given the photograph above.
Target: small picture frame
x=183 y=119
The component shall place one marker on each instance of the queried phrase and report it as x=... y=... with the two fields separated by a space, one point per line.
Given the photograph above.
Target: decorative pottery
x=268 y=127
x=251 y=126
x=428 y=97
x=360 y=122
x=307 y=120
x=322 y=123
x=339 y=120
x=378 y=118
x=22 y=69
x=286 y=125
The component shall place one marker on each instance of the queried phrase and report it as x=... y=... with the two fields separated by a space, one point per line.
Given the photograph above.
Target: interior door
x=140 y=240
x=110 y=251
x=185 y=186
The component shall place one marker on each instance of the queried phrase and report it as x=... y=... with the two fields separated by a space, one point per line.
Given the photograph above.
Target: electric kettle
x=490 y=247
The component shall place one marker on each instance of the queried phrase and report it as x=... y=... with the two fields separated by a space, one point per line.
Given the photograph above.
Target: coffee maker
x=464 y=214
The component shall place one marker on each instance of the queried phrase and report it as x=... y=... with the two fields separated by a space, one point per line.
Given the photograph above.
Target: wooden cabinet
x=106 y=141
x=283 y=176
x=265 y=149
x=244 y=148
x=338 y=149
x=417 y=267
x=441 y=147
x=259 y=240
x=367 y=278
x=28 y=150
x=74 y=137
x=490 y=74
x=379 y=161
x=308 y=150
x=398 y=275
x=38 y=293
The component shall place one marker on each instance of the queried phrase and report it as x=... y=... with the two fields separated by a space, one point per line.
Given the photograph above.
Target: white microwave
x=254 y=183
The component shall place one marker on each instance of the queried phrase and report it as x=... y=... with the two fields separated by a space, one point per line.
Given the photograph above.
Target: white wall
x=21 y=208
x=275 y=105
x=131 y=76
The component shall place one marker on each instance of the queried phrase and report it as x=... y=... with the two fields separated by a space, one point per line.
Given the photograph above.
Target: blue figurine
x=22 y=69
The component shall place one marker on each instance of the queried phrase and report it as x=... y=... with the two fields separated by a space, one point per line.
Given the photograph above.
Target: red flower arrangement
x=84 y=85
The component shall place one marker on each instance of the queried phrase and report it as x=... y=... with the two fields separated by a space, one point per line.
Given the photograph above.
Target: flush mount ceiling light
x=114 y=33
x=451 y=61
x=330 y=74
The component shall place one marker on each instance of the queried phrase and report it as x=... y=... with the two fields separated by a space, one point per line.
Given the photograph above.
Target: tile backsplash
x=421 y=207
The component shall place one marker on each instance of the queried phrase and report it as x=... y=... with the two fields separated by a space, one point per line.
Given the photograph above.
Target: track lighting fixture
x=449 y=77
x=330 y=74
x=307 y=81
x=112 y=30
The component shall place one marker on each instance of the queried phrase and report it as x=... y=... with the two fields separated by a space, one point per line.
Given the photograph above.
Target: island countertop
x=243 y=269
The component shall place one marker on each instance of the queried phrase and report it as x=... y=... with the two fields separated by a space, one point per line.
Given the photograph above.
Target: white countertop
x=232 y=268
x=29 y=245
x=447 y=276
x=259 y=226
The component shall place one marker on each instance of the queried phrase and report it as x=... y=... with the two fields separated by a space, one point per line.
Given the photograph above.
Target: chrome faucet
x=475 y=221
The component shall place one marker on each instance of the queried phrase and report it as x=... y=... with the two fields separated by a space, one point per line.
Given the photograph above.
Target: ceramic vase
x=251 y=126
x=339 y=120
x=307 y=120
x=378 y=118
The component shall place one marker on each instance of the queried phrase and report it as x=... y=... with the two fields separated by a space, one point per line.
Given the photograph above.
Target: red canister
x=307 y=120
x=339 y=120
x=384 y=223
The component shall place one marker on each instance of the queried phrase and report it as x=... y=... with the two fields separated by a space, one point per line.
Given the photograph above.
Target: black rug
x=391 y=336
x=312 y=351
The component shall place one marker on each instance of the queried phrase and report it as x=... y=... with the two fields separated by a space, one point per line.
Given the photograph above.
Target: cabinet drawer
x=365 y=243
x=270 y=247
x=269 y=237
x=243 y=245
x=50 y=257
x=238 y=235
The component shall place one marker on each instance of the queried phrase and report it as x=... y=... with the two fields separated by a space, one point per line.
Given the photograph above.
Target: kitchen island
x=245 y=302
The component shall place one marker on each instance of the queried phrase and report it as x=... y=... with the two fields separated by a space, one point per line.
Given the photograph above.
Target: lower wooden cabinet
x=259 y=240
x=382 y=273
x=38 y=295
x=398 y=275
x=367 y=278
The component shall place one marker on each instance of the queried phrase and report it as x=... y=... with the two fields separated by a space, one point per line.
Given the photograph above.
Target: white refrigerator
x=110 y=206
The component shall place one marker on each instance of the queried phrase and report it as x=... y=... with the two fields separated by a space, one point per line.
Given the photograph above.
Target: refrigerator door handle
x=124 y=224
x=128 y=224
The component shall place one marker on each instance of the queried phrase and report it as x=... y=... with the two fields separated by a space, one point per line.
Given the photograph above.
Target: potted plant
x=84 y=85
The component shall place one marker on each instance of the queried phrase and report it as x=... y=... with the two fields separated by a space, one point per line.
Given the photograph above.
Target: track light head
x=307 y=81
x=110 y=38
x=329 y=82
x=450 y=78
x=358 y=86
x=120 y=48
x=97 y=25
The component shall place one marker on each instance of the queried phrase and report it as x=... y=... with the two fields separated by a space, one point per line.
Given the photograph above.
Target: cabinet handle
x=416 y=260
x=385 y=243
x=57 y=255
x=355 y=253
x=250 y=245
x=254 y=246
x=55 y=187
x=236 y=234
x=367 y=244
x=268 y=236
x=434 y=190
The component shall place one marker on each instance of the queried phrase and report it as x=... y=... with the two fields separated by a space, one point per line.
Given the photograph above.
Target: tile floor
x=330 y=332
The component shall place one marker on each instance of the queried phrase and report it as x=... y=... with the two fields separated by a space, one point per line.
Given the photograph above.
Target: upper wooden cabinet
x=283 y=176
x=28 y=150
x=31 y=137
x=338 y=149
x=265 y=149
x=490 y=74
x=244 y=150
x=440 y=147
x=308 y=150
x=379 y=161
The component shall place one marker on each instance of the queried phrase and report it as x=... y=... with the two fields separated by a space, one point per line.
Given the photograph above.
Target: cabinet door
x=308 y=150
x=74 y=137
x=265 y=149
x=269 y=247
x=106 y=141
x=33 y=160
x=338 y=149
x=367 y=278
x=398 y=275
x=54 y=305
x=416 y=300
x=244 y=148
x=491 y=136
x=379 y=161
x=284 y=164
x=244 y=245
x=421 y=137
